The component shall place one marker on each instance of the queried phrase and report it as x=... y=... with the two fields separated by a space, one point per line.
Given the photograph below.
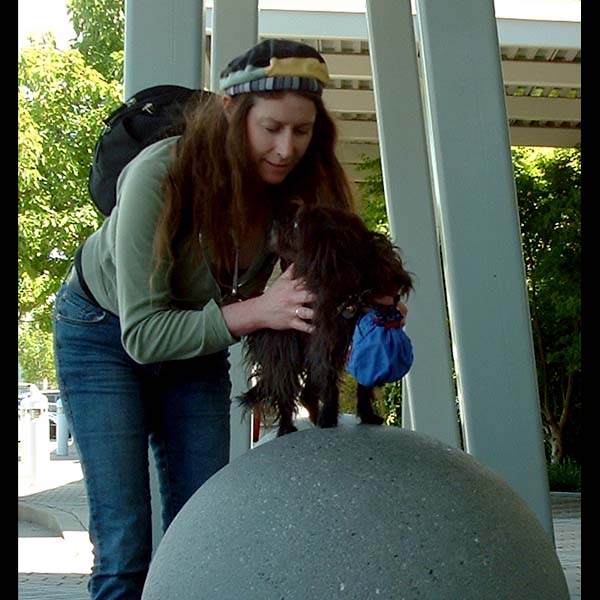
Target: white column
x=164 y=41
x=406 y=416
x=234 y=30
x=485 y=278
x=409 y=201
x=163 y=44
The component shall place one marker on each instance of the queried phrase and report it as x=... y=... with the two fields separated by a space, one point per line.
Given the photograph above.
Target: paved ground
x=566 y=514
x=55 y=555
x=54 y=552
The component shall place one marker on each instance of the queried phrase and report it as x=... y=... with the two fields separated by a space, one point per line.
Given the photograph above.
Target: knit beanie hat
x=275 y=65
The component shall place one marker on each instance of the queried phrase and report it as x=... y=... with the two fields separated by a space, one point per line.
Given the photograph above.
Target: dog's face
x=337 y=256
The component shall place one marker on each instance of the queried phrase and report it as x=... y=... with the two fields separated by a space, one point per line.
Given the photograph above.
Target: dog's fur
x=345 y=265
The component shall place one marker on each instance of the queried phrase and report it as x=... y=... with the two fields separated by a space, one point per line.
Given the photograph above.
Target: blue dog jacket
x=380 y=352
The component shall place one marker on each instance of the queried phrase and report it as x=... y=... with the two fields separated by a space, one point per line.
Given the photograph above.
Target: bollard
x=62 y=430
x=372 y=512
x=35 y=428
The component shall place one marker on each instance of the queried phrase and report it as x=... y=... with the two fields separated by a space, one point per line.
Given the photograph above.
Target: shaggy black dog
x=345 y=265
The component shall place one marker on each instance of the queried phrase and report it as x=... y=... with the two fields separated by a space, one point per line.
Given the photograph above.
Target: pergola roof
x=541 y=66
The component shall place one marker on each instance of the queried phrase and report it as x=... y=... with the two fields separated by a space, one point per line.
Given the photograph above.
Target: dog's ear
x=390 y=275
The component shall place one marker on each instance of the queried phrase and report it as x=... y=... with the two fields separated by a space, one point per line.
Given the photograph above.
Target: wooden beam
x=352 y=152
x=514 y=72
x=357 y=131
x=542 y=74
x=356 y=101
x=348 y=66
x=552 y=137
x=543 y=109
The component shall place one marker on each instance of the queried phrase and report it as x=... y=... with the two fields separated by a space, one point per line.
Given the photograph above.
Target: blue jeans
x=116 y=408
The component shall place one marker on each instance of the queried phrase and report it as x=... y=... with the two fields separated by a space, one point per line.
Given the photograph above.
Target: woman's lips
x=277 y=166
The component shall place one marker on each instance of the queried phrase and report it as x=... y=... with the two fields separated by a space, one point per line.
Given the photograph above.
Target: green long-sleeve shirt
x=158 y=321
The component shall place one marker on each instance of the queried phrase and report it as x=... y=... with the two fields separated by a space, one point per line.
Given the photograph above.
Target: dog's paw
x=285 y=430
x=371 y=419
x=327 y=422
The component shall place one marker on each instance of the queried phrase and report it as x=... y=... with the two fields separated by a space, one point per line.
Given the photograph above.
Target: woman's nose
x=285 y=144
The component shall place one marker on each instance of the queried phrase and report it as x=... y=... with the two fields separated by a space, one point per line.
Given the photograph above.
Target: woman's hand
x=282 y=306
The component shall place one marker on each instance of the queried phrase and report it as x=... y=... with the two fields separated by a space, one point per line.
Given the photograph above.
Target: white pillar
x=406 y=416
x=485 y=277
x=35 y=436
x=62 y=430
x=409 y=201
x=164 y=41
x=234 y=30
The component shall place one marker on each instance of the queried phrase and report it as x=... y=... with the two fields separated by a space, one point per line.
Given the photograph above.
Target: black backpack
x=146 y=117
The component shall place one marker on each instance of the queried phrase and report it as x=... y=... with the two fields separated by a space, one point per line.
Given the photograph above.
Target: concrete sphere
x=356 y=512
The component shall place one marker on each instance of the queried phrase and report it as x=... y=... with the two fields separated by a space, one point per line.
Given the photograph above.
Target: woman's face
x=279 y=130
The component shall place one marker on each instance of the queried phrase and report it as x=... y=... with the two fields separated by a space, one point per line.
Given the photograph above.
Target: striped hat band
x=275 y=65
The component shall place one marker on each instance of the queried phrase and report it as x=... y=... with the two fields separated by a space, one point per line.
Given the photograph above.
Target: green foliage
x=36 y=354
x=564 y=477
x=392 y=402
x=549 y=196
x=99 y=27
x=347 y=385
x=61 y=104
x=372 y=208
x=388 y=399
x=63 y=98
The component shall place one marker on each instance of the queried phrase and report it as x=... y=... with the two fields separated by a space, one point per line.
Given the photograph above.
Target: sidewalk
x=55 y=554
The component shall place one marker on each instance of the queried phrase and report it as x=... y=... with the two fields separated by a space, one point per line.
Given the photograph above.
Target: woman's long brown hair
x=212 y=192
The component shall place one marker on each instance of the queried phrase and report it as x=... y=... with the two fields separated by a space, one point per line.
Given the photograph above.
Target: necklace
x=236 y=268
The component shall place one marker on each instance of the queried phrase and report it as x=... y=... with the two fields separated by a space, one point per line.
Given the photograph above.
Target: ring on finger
x=297 y=312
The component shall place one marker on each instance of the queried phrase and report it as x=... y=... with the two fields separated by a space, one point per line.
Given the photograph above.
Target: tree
x=36 y=355
x=63 y=98
x=99 y=27
x=61 y=104
x=549 y=196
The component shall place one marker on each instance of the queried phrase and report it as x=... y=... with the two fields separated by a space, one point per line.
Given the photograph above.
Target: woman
x=175 y=276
